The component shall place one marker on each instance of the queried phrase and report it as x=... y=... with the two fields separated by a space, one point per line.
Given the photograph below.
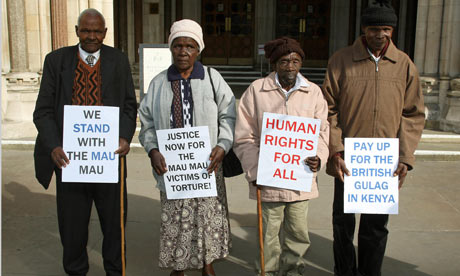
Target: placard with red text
x=285 y=143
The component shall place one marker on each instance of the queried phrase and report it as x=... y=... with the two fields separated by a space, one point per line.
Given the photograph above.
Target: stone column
x=22 y=86
x=17 y=34
x=45 y=30
x=5 y=40
x=59 y=23
x=420 y=34
x=106 y=8
x=433 y=37
x=449 y=37
x=444 y=56
x=5 y=57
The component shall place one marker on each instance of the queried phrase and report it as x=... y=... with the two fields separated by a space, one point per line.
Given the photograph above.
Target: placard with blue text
x=285 y=143
x=371 y=187
x=91 y=137
x=186 y=152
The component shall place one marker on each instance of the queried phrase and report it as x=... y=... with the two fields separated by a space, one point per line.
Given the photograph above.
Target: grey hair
x=91 y=12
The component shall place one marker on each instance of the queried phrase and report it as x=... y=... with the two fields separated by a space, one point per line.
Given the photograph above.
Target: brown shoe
x=177 y=273
x=208 y=270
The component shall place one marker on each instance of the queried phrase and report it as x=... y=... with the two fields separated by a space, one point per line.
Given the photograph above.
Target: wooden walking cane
x=261 y=238
x=122 y=214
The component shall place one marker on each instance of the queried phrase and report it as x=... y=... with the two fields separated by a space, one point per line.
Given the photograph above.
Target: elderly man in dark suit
x=89 y=73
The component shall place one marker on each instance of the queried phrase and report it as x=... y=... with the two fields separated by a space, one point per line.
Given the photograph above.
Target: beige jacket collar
x=270 y=84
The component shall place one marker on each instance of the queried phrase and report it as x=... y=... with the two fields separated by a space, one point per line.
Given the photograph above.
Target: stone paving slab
x=424 y=238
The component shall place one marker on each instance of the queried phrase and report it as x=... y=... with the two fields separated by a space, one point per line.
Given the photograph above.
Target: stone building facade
x=428 y=31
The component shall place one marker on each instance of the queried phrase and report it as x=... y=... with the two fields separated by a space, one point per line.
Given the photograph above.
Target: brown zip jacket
x=374 y=100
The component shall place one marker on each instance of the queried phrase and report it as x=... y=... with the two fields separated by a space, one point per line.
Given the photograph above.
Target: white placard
x=91 y=137
x=154 y=61
x=285 y=143
x=186 y=152
x=261 y=49
x=371 y=187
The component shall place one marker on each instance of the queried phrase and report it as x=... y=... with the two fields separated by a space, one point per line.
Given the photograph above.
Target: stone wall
x=27 y=34
x=451 y=121
x=26 y=39
x=438 y=61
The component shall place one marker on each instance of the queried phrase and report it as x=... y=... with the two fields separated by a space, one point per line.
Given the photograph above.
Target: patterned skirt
x=194 y=231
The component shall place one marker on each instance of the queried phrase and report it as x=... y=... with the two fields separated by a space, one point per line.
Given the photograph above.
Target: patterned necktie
x=178 y=118
x=90 y=59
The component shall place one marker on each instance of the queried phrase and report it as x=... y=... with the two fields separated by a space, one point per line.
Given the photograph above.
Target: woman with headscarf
x=194 y=232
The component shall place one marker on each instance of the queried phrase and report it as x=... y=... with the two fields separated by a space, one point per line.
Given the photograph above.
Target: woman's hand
x=157 y=161
x=217 y=155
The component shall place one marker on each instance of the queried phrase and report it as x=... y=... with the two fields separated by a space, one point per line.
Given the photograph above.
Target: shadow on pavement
x=320 y=254
x=31 y=243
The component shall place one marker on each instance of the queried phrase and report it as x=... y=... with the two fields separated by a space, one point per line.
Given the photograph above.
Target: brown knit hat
x=282 y=46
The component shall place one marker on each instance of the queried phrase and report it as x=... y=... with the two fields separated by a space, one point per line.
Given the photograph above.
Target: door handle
x=302 y=25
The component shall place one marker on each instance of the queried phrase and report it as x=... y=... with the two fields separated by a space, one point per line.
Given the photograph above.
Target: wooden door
x=228 y=28
x=307 y=21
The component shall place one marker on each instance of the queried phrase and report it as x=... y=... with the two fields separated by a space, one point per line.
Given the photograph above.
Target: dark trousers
x=74 y=203
x=372 y=239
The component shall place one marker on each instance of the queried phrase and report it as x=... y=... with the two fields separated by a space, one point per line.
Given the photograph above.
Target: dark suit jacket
x=56 y=91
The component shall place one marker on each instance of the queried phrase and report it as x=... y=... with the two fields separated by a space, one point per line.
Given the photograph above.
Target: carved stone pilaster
x=452 y=120
x=59 y=23
x=427 y=83
x=22 y=91
x=430 y=89
x=17 y=35
x=455 y=84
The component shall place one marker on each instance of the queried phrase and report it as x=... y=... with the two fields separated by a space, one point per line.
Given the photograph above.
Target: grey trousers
x=286 y=239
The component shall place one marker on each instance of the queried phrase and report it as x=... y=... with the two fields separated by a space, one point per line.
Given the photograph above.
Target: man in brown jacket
x=372 y=90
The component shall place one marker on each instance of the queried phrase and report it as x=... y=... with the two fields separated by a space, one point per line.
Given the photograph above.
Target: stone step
x=243 y=76
x=434 y=145
x=434 y=136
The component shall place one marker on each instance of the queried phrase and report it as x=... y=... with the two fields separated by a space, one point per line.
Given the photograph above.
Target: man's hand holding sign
x=340 y=169
x=313 y=162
